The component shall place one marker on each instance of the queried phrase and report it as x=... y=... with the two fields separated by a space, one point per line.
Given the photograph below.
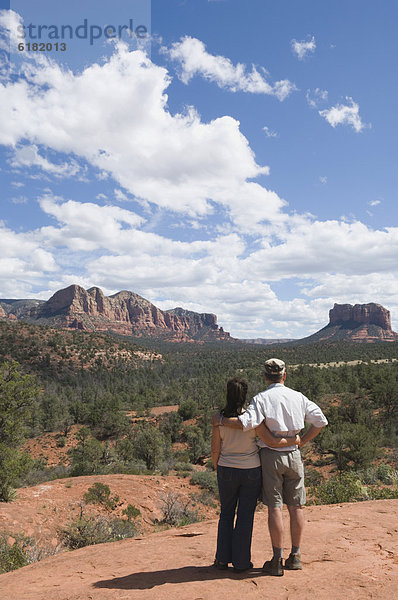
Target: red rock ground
x=40 y=511
x=350 y=551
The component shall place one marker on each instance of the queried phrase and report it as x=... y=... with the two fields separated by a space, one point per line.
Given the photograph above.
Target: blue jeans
x=237 y=487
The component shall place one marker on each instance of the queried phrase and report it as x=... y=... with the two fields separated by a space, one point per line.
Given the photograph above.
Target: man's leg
x=296 y=514
x=272 y=497
x=275 y=526
x=294 y=495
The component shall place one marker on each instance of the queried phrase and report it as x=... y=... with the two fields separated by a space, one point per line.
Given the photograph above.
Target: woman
x=235 y=456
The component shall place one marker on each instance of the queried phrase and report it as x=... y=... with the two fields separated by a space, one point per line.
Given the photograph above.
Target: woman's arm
x=215 y=445
x=275 y=442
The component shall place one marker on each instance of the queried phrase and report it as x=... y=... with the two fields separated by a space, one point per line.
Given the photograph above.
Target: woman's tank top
x=238 y=449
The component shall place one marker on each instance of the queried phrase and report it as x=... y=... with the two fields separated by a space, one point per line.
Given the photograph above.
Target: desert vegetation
x=94 y=394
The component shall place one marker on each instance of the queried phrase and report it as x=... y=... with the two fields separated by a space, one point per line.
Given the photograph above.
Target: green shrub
x=387 y=474
x=13 y=465
x=312 y=477
x=206 y=480
x=23 y=551
x=88 y=531
x=369 y=476
x=187 y=409
x=39 y=473
x=346 y=487
x=164 y=467
x=149 y=445
x=12 y=556
x=131 y=512
x=61 y=441
x=206 y=497
x=379 y=493
x=197 y=445
x=87 y=458
x=183 y=466
x=100 y=493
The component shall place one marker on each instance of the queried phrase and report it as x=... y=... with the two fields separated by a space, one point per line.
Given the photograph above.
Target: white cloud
x=356 y=288
x=121 y=196
x=9 y=23
x=29 y=156
x=194 y=59
x=23 y=263
x=344 y=114
x=19 y=200
x=323 y=179
x=104 y=245
x=333 y=260
x=178 y=162
x=304 y=47
x=86 y=226
x=310 y=248
x=315 y=97
x=193 y=174
x=374 y=202
x=269 y=133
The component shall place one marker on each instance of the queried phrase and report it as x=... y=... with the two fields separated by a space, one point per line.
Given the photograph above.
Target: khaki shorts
x=283 y=478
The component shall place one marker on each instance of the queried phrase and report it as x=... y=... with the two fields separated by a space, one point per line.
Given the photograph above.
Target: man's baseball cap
x=274 y=366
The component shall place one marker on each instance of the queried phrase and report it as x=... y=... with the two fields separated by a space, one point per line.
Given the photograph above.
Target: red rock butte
x=357 y=323
x=125 y=313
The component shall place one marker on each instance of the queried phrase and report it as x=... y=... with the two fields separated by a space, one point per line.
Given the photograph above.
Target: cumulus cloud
x=108 y=246
x=304 y=47
x=10 y=21
x=176 y=162
x=238 y=239
x=29 y=156
x=194 y=59
x=23 y=262
x=344 y=114
x=316 y=96
x=119 y=195
x=86 y=226
x=222 y=275
x=374 y=202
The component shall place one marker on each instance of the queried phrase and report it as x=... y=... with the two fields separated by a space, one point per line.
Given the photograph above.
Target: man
x=284 y=412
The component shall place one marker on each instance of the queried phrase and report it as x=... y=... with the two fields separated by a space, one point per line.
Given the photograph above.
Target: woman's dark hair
x=236 y=397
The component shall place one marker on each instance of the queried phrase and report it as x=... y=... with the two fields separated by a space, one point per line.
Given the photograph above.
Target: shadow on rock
x=149 y=579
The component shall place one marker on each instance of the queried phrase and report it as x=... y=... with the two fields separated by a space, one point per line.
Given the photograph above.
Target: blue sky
x=236 y=160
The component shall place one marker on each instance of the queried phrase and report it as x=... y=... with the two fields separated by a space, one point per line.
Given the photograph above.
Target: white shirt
x=284 y=411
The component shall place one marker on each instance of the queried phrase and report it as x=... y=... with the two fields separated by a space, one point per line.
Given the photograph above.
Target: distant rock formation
x=358 y=323
x=125 y=313
x=17 y=309
x=266 y=341
x=3 y=314
x=360 y=314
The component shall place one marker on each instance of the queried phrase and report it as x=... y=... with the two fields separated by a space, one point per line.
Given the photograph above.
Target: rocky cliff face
x=360 y=314
x=359 y=323
x=125 y=313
